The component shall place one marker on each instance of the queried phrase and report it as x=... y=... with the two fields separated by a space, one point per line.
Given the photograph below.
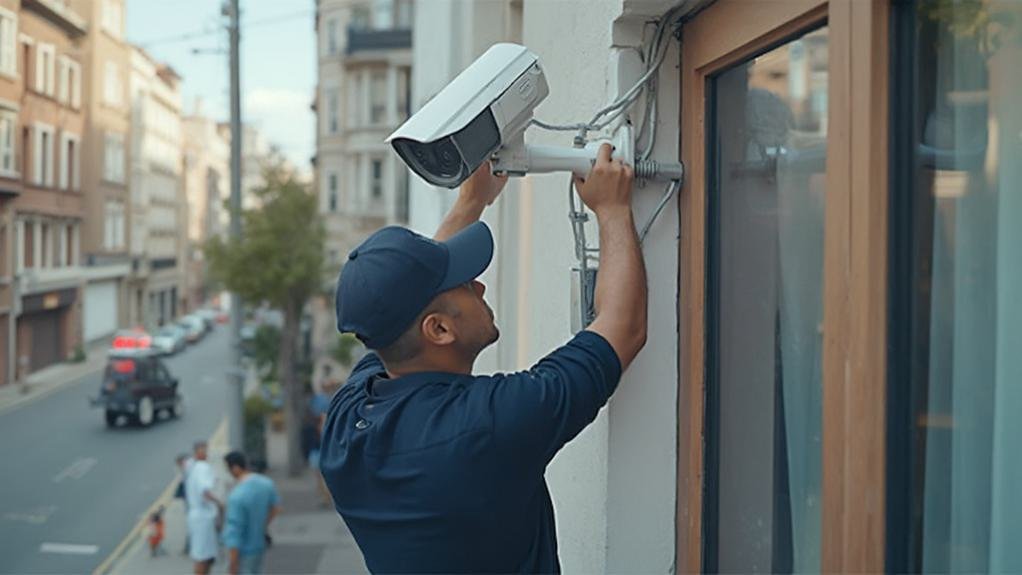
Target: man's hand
x=480 y=190
x=482 y=186
x=608 y=187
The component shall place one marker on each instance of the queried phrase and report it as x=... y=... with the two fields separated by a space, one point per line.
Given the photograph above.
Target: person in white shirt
x=203 y=509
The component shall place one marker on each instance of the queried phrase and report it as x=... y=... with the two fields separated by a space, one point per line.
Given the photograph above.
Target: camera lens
x=448 y=159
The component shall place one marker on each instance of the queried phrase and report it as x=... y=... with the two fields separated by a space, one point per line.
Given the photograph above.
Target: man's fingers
x=579 y=181
x=603 y=154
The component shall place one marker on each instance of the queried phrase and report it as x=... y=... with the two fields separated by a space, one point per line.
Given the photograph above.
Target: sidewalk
x=51 y=379
x=307 y=538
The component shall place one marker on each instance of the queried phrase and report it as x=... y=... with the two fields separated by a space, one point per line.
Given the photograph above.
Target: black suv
x=138 y=385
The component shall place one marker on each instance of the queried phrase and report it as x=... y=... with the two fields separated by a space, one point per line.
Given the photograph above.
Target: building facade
x=207 y=186
x=41 y=127
x=106 y=226
x=830 y=372
x=158 y=207
x=363 y=89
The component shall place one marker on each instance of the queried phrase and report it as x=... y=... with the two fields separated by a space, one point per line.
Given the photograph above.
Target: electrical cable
x=672 y=187
x=219 y=30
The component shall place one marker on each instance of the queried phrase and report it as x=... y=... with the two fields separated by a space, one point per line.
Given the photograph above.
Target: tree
x=279 y=261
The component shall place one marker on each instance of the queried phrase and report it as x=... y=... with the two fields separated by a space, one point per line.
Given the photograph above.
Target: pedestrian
x=156 y=533
x=251 y=506
x=434 y=469
x=203 y=510
x=183 y=462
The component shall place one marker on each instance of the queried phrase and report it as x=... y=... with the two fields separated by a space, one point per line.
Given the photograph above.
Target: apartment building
x=106 y=227
x=158 y=206
x=41 y=126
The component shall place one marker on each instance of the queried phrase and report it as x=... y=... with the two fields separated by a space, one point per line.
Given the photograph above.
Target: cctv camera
x=488 y=103
x=483 y=113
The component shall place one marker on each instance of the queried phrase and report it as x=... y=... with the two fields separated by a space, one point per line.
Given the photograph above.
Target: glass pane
x=967 y=277
x=768 y=167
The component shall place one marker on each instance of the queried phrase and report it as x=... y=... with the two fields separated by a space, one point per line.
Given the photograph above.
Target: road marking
x=76 y=470
x=36 y=516
x=68 y=549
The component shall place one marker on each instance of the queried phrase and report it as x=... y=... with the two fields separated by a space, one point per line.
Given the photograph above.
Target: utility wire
x=206 y=32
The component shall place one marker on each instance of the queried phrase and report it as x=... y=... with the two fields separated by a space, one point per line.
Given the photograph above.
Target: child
x=156 y=533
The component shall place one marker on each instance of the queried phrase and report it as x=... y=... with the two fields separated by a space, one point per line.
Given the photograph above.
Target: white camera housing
x=488 y=104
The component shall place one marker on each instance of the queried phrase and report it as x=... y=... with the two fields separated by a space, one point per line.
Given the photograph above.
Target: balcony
x=367 y=40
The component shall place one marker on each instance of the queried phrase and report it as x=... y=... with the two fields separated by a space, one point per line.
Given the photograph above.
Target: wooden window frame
x=855 y=264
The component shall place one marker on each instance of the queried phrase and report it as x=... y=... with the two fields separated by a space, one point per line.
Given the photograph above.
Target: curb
x=109 y=564
x=91 y=367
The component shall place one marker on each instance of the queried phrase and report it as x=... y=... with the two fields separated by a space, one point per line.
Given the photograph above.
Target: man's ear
x=438 y=329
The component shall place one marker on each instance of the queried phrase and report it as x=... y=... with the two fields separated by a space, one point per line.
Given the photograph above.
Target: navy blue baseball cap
x=391 y=278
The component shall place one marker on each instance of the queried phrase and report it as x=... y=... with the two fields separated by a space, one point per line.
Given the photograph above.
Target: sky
x=278 y=62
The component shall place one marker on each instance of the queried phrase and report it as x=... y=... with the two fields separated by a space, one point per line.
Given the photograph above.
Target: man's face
x=474 y=320
x=200 y=452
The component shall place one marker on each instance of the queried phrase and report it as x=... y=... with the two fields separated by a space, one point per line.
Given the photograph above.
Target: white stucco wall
x=613 y=486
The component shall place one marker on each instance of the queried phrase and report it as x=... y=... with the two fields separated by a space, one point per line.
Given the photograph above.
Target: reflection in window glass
x=768 y=157
x=966 y=281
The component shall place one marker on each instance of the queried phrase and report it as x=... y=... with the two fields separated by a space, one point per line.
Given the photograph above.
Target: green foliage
x=256 y=408
x=972 y=19
x=265 y=349
x=344 y=348
x=78 y=355
x=279 y=258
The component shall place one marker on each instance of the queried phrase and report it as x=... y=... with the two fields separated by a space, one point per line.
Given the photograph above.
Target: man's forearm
x=464 y=212
x=234 y=562
x=621 y=294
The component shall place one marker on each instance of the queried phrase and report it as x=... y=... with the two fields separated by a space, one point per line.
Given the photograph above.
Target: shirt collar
x=379 y=386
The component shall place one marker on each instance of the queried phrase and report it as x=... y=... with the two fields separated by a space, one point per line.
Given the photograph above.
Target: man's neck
x=437 y=364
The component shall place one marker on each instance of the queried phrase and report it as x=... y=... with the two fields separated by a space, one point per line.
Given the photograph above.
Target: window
x=405 y=14
x=767 y=171
x=360 y=17
x=403 y=93
x=70 y=234
x=45 y=70
x=333 y=110
x=69 y=90
x=332 y=36
x=377 y=179
x=28 y=245
x=8 y=130
x=332 y=192
x=44 y=244
x=113 y=158
x=69 y=162
x=113 y=90
x=113 y=226
x=956 y=279
x=354 y=101
x=43 y=155
x=26 y=63
x=111 y=17
x=378 y=97
x=8 y=42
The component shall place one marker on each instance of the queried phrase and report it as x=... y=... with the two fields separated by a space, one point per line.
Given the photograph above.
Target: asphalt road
x=71 y=489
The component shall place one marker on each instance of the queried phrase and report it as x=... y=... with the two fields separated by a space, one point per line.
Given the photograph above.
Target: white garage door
x=100 y=310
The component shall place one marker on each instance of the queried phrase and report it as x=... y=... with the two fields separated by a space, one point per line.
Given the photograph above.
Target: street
x=72 y=488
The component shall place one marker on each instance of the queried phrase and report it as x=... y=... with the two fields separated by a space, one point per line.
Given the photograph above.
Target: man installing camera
x=434 y=469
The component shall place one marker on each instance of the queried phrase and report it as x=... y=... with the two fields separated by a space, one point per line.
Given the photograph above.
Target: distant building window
x=69 y=162
x=8 y=127
x=113 y=226
x=333 y=110
x=377 y=97
x=112 y=17
x=112 y=87
x=8 y=42
x=113 y=158
x=45 y=69
x=43 y=156
x=332 y=37
x=360 y=18
x=377 y=179
x=405 y=14
x=332 y=192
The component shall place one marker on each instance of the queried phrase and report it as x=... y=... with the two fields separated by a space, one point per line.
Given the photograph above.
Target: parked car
x=194 y=327
x=135 y=338
x=170 y=339
x=137 y=384
x=208 y=316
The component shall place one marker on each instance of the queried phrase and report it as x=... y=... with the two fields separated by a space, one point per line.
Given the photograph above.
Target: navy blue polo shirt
x=444 y=473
